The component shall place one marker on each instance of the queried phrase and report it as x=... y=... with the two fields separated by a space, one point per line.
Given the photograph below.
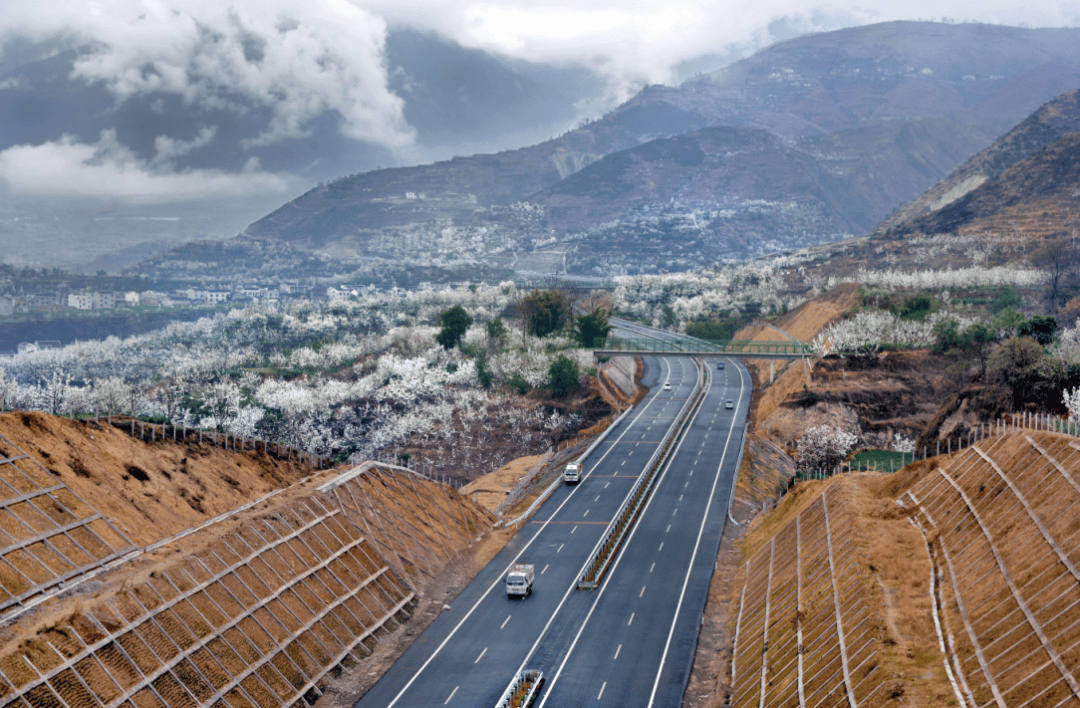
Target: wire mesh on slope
x=1004 y=534
x=805 y=634
x=262 y=614
x=48 y=534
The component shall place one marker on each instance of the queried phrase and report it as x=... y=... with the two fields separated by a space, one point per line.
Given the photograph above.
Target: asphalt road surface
x=631 y=642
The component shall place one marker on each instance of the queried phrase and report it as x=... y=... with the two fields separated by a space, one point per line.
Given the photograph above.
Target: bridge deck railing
x=701 y=346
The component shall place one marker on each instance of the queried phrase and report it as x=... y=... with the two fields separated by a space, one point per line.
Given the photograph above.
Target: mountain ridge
x=862 y=108
x=1052 y=120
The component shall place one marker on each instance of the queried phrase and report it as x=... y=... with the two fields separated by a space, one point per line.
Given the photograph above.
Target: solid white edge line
x=697 y=544
x=614 y=567
x=499 y=579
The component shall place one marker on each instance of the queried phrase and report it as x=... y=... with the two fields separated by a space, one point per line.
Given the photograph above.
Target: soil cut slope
x=843 y=601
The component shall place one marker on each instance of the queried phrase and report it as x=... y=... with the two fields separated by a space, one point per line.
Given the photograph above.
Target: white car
x=667 y=386
x=730 y=404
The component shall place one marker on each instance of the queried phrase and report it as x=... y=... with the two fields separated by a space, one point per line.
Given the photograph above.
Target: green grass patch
x=881 y=460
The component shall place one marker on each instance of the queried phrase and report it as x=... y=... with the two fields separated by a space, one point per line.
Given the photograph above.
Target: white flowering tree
x=823 y=447
x=1071 y=399
x=356 y=378
x=903 y=444
x=947 y=279
x=868 y=331
x=698 y=294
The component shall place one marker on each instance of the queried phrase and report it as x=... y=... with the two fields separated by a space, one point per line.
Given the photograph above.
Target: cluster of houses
x=56 y=301
x=244 y=294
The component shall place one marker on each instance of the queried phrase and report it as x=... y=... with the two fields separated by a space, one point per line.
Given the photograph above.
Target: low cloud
x=107 y=170
x=637 y=42
x=294 y=60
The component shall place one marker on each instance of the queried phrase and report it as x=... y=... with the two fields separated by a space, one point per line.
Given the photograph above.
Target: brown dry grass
x=900 y=569
x=490 y=490
x=896 y=566
x=431 y=519
x=186 y=483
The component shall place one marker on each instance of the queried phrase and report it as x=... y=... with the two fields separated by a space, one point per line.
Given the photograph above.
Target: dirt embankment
x=150 y=490
x=932 y=567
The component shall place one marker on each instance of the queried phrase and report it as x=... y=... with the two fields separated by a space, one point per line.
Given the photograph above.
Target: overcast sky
x=300 y=58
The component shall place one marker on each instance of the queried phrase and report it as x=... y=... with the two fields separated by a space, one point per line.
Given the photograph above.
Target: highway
x=631 y=642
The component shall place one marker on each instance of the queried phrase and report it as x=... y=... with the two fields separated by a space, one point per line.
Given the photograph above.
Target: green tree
x=592 y=329
x=1041 y=328
x=545 y=312
x=1008 y=297
x=563 y=376
x=1021 y=364
x=947 y=335
x=496 y=330
x=1007 y=322
x=980 y=335
x=518 y=384
x=668 y=317
x=917 y=307
x=483 y=374
x=455 y=322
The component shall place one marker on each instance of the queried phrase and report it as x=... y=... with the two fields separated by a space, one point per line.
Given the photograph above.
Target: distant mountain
x=1053 y=120
x=1034 y=198
x=746 y=187
x=457 y=100
x=847 y=125
x=984 y=75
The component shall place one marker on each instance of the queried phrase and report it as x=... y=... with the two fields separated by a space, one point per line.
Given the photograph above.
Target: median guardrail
x=523 y=690
x=627 y=514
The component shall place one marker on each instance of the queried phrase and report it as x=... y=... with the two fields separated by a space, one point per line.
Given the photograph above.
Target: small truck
x=520 y=579
x=572 y=474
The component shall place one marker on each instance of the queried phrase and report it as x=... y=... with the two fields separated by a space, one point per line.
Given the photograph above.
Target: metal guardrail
x=732 y=347
x=626 y=515
x=523 y=690
x=581 y=466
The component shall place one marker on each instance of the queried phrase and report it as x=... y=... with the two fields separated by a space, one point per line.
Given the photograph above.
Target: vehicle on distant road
x=730 y=404
x=719 y=365
x=572 y=473
x=520 y=579
x=667 y=386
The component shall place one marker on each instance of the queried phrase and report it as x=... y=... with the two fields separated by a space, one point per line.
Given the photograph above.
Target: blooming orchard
x=703 y=293
x=352 y=377
x=948 y=279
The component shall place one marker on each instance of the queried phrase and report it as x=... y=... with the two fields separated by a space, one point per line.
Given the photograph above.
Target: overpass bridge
x=687 y=346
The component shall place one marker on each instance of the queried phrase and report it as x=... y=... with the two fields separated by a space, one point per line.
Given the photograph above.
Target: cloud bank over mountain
x=142 y=102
